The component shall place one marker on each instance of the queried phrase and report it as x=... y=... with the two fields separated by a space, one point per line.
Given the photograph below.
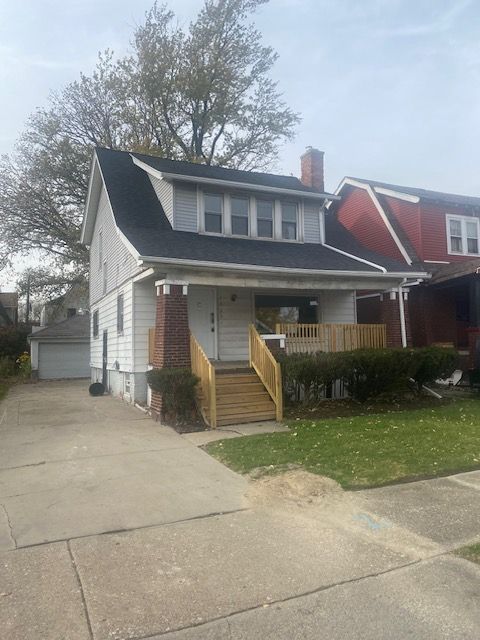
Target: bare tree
x=201 y=94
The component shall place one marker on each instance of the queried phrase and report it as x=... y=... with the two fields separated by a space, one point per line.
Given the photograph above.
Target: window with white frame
x=265 y=209
x=105 y=277
x=240 y=215
x=100 y=249
x=120 y=314
x=95 y=324
x=462 y=235
x=126 y=383
x=213 y=212
x=289 y=220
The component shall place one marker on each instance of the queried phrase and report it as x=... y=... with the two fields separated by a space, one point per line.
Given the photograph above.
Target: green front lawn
x=470 y=553
x=367 y=450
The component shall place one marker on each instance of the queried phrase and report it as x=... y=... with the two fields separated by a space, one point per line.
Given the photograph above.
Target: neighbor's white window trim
x=463 y=220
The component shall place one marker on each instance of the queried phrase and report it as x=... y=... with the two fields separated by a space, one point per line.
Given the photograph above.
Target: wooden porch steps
x=241 y=397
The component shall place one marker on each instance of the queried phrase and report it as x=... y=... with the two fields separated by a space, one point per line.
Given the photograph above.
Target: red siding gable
x=434 y=231
x=357 y=212
x=407 y=215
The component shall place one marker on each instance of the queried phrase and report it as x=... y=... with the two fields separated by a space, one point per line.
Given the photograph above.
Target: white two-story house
x=188 y=262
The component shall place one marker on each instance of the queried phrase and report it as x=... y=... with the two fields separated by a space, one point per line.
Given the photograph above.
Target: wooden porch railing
x=267 y=368
x=309 y=338
x=151 y=345
x=203 y=369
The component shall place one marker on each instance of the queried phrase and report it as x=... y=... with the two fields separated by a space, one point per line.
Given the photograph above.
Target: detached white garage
x=62 y=350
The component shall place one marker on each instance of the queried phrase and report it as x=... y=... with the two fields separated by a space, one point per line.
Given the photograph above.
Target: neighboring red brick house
x=439 y=232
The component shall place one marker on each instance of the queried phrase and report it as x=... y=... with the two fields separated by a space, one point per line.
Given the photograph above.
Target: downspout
x=401 y=308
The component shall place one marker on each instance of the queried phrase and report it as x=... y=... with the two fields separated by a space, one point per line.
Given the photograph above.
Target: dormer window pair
x=462 y=235
x=245 y=216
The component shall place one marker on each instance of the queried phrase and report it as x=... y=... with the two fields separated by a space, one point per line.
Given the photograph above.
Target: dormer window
x=240 y=214
x=289 y=221
x=213 y=213
x=462 y=235
x=265 y=210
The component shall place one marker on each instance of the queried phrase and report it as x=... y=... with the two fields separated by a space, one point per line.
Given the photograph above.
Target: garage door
x=63 y=360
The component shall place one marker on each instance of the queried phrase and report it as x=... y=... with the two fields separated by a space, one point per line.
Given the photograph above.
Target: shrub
x=433 y=363
x=13 y=341
x=305 y=377
x=376 y=372
x=24 y=365
x=7 y=367
x=177 y=387
x=367 y=373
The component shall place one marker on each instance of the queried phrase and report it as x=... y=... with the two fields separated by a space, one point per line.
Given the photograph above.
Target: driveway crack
x=7 y=516
x=80 y=587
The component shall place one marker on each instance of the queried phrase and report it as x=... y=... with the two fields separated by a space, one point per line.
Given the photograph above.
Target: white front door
x=202 y=318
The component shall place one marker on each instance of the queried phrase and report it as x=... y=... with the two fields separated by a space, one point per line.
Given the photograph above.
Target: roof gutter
x=222 y=266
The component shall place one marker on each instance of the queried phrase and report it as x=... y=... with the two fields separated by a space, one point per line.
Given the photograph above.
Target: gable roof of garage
x=73 y=328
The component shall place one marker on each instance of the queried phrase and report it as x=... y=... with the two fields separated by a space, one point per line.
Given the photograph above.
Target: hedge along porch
x=212 y=328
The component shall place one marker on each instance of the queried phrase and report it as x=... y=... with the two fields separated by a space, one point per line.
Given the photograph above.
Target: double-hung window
x=463 y=235
x=100 y=249
x=265 y=218
x=95 y=324
x=213 y=212
x=240 y=214
x=105 y=277
x=289 y=221
x=120 y=313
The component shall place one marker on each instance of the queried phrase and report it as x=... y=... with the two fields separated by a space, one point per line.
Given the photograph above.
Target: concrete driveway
x=117 y=528
x=72 y=465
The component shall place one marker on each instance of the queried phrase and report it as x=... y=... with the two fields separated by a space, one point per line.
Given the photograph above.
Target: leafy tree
x=201 y=94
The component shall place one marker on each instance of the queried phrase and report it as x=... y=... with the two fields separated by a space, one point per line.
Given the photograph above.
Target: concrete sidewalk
x=154 y=539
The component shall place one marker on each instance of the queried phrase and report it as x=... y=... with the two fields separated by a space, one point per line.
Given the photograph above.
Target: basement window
x=462 y=235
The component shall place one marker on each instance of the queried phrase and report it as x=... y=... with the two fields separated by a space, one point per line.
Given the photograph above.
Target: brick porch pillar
x=172 y=336
x=390 y=316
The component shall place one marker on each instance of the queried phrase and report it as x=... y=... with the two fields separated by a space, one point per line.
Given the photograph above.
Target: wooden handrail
x=205 y=371
x=267 y=368
x=310 y=338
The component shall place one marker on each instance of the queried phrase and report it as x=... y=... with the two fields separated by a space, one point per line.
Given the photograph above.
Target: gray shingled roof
x=221 y=173
x=425 y=194
x=75 y=327
x=139 y=215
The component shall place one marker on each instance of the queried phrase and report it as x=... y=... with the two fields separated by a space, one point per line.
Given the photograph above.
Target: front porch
x=229 y=335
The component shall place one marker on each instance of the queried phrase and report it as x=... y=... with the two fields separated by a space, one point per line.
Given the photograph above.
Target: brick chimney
x=312 y=169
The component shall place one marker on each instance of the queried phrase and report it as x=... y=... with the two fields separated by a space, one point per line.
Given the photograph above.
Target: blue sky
x=389 y=89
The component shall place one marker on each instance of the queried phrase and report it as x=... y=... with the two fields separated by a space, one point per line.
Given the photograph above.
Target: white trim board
x=366 y=187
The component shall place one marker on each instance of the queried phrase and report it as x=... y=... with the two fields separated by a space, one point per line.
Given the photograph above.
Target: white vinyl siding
x=235 y=313
x=144 y=304
x=338 y=307
x=185 y=208
x=119 y=344
x=186 y=204
x=311 y=221
x=164 y=191
x=121 y=264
